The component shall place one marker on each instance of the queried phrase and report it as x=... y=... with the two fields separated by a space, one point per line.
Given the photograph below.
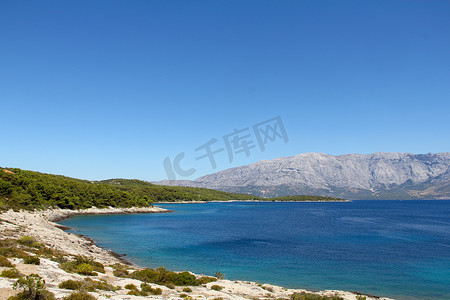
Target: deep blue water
x=399 y=249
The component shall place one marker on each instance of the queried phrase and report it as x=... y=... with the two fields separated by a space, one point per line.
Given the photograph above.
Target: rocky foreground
x=38 y=230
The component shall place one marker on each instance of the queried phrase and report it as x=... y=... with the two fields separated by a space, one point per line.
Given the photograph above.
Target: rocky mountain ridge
x=353 y=176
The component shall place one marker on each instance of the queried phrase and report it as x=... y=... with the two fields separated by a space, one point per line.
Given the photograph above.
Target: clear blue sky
x=103 y=89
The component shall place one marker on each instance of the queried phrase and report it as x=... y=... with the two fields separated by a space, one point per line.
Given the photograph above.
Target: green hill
x=29 y=190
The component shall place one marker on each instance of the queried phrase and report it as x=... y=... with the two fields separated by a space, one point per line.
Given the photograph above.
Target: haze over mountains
x=351 y=176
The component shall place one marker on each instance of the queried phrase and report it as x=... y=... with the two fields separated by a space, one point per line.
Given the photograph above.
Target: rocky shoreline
x=41 y=226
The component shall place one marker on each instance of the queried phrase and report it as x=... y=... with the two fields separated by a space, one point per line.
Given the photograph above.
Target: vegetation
x=11 y=273
x=148 y=289
x=31 y=190
x=304 y=198
x=20 y=189
x=27 y=241
x=87 y=285
x=145 y=290
x=217 y=287
x=32 y=260
x=71 y=284
x=81 y=295
x=170 y=279
x=16 y=248
x=83 y=265
x=4 y=262
x=33 y=287
x=9 y=248
x=309 y=296
x=158 y=193
x=187 y=290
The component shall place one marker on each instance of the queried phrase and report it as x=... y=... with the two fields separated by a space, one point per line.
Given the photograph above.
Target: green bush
x=99 y=285
x=309 y=296
x=11 y=273
x=137 y=293
x=219 y=275
x=85 y=269
x=83 y=265
x=131 y=287
x=217 y=287
x=121 y=273
x=71 y=285
x=206 y=279
x=9 y=249
x=82 y=295
x=4 y=262
x=27 y=240
x=169 y=278
x=32 y=260
x=187 y=290
x=148 y=289
x=98 y=267
x=33 y=287
x=87 y=285
x=361 y=297
x=184 y=278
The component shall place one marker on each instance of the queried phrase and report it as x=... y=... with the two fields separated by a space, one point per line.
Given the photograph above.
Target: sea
x=397 y=249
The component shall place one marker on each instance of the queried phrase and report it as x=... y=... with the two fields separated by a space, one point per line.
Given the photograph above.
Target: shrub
x=48 y=252
x=33 y=287
x=4 y=262
x=184 y=278
x=148 y=289
x=137 y=293
x=11 y=273
x=361 y=297
x=187 y=290
x=131 y=286
x=85 y=269
x=121 y=273
x=206 y=279
x=71 y=285
x=92 y=285
x=169 y=278
x=32 y=260
x=12 y=251
x=219 y=275
x=309 y=296
x=27 y=240
x=83 y=265
x=87 y=285
x=217 y=287
x=82 y=295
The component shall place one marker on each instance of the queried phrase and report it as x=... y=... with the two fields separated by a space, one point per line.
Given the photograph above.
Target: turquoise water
x=399 y=249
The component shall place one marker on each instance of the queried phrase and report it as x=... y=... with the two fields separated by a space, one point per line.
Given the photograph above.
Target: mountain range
x=352 y=176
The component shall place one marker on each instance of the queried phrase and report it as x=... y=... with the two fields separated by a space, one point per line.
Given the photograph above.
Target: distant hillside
x=351 y=176
x=28 y=189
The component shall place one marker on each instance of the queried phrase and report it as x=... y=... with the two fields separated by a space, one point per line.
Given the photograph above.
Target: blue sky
x=104 y=89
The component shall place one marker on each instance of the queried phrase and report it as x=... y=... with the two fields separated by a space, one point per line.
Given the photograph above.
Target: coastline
x=264 y=201
x=42 y=226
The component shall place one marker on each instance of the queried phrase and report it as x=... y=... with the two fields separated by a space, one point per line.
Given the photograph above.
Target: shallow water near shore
x=398 y=249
